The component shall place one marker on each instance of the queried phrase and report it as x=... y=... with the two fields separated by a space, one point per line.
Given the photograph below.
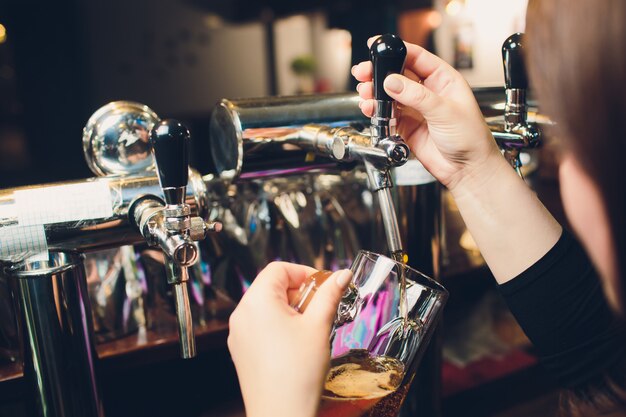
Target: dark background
x=48 y=89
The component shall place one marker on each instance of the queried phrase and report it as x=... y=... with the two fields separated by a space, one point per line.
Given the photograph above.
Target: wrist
x=278 y=403
x=479 y=178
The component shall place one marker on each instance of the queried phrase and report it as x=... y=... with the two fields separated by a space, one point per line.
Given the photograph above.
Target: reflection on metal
x=245 y=134
x=59 y=355
x=318 y=220
x=116 y=286
x=115 y=139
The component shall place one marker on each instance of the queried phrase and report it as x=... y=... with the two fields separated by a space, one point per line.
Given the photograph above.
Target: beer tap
x=514 y=132
x=170 y=226
x=387 y=54
x=236 y=135
x=379 y=151
x=382 y=149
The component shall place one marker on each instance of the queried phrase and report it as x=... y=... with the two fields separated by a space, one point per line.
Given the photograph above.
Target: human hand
x=437 y=116
x=281 y=356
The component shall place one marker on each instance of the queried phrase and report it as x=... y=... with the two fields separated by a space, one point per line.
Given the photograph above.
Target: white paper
x=23 y=242
x=63 y=203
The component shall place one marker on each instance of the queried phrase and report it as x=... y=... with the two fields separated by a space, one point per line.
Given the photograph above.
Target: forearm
x=510 y=225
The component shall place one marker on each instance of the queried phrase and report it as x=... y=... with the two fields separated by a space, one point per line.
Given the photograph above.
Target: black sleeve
x=560 y=305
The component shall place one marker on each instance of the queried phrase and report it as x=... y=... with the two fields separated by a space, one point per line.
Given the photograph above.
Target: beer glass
x=380 y=332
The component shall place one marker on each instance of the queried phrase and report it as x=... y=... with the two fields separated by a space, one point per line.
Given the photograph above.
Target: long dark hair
x=577 y=64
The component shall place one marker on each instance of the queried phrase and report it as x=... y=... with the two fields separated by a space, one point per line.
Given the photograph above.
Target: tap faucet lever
x=170 y=146
x=387 y=53
x=171 y=225
x=515 y=82
x=513 y=59
x=515 y=132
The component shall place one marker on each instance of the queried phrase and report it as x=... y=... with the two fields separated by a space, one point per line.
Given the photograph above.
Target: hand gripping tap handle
x=170 y=145
x=387 y=54
x=513 y=59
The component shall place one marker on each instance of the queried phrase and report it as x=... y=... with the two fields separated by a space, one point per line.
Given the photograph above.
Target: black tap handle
x=387 y=54
x=513 y=59
x=170 y=145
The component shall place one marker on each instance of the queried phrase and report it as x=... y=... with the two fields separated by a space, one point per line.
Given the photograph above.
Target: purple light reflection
x=285 y=171
x=378 y=309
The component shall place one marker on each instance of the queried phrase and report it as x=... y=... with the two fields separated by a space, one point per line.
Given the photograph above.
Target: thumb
x=413 y=94
x=323 y=306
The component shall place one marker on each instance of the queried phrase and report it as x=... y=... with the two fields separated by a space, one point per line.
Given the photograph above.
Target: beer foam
x=350 y=381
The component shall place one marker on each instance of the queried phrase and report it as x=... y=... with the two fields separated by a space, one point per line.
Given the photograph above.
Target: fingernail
x=352 y=69
x=393 y=84
x=358 y=86
x=343 y=277
x=361 y=101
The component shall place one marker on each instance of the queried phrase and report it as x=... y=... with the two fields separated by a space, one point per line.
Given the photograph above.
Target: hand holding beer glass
x=383 y=325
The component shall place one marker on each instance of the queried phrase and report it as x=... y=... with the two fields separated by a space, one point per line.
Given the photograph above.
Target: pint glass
x=377 y=341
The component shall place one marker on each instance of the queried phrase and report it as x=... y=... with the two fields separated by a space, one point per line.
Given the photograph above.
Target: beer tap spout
x=169 y=225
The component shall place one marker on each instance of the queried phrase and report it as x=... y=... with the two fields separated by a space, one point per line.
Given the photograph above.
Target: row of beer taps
x=171 y=214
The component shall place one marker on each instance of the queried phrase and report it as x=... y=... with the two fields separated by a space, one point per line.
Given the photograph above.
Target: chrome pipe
x=248 y=137
x=55 y=319
x=515 y=108
x=185 y=321
x=383 y=122
x=390 y=222
x=178 y=276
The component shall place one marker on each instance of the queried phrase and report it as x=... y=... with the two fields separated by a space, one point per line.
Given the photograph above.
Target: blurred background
x=60 y=61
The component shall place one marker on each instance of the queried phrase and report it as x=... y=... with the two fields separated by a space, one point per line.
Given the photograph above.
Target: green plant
x=303 y=65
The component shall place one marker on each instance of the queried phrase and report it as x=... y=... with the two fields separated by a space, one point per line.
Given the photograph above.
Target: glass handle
x=349 y=305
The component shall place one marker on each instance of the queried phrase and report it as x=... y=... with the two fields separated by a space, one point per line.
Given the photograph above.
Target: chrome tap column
x=514 y=132
x=55 y=325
